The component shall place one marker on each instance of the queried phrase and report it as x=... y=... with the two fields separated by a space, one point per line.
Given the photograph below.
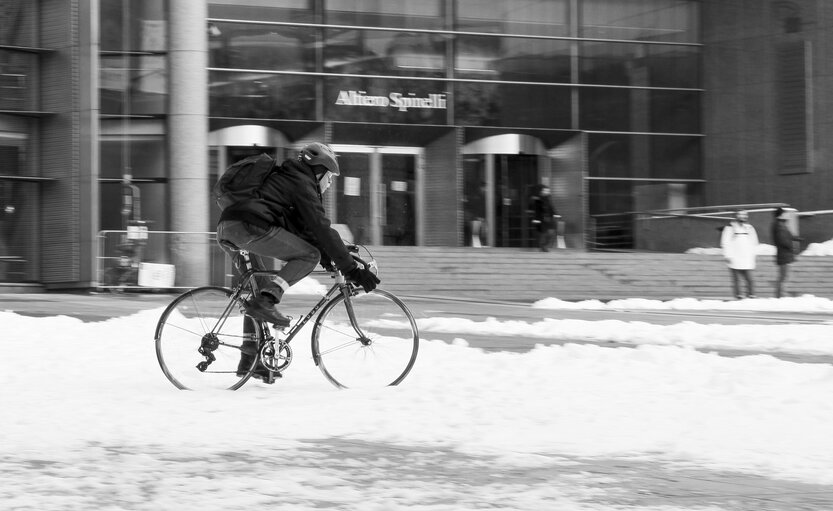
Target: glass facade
x=376 y=74
x=133 y=95
x=20 y=56
x=626 y=72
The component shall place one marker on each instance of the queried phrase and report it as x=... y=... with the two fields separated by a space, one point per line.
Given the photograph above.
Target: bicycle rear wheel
x=379 y=353
x=199 y=341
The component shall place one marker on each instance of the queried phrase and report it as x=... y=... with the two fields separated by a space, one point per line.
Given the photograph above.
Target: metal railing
x=671 y=229
x=142 y=260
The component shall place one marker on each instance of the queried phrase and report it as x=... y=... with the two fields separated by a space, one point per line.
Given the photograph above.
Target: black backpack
x=242 y=180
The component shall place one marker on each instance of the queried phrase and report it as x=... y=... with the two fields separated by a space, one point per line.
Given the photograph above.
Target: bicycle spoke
x=372 y=342
x=200 y=340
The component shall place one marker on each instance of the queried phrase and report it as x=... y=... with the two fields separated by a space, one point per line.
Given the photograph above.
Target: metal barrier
x=138 y=259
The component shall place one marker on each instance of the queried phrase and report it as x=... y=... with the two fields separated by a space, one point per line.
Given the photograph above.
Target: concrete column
x=188 y=140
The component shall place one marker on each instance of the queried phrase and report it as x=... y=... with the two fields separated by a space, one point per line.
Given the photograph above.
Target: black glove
x=363 y=277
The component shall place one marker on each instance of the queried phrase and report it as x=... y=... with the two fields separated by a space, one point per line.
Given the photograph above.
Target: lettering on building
x=401 y=102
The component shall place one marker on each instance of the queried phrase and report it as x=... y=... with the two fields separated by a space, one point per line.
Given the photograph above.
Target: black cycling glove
x=363 y=277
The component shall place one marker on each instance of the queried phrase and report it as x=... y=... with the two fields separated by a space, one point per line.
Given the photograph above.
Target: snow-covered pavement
x=90 y=422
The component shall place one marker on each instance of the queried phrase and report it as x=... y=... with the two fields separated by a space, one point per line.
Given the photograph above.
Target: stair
x=524 y=275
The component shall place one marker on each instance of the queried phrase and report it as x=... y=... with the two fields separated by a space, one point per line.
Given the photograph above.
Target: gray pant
x=747 y=276
x=299 y=256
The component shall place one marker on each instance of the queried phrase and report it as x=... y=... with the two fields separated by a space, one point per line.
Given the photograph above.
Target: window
x=512 y=59
x=253 y=46
x=642 y=20
x=494 y=104
x=641 y=110
x=127 y=25
x=391 y=53
x=261 y=95
x=650 y=65
x=296 y=11
x=422 y=14
x=18 y=23
x=133 y=85
x=521 y=17
x=18 y=80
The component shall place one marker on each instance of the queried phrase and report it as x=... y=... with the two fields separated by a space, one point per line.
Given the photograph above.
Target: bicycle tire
x=391 y=335
x=196 y=319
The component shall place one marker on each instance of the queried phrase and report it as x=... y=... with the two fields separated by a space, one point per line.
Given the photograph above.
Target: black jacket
x=543 y=211
x=783 y=240
x=290 y=198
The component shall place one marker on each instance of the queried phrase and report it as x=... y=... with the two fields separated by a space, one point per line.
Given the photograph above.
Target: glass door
x=353 y=202
x=398 y=172
x=376 y=194
x=515 y=176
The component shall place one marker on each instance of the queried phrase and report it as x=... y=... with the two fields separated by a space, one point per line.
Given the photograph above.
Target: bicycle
x=358 y=339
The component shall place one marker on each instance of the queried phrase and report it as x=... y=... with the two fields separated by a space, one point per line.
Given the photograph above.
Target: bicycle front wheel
x=204 y=342
x=378 y=348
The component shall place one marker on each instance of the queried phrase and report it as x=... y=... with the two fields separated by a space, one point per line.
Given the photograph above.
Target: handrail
x=684 y=211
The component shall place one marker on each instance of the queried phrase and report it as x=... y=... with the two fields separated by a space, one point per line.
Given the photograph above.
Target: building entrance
x=499 y=175
x=376 y=195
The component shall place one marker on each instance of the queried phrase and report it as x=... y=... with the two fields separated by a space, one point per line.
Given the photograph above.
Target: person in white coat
x=739 y=242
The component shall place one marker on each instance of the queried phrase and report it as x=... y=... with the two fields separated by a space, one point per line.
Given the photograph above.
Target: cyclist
x=285 y=220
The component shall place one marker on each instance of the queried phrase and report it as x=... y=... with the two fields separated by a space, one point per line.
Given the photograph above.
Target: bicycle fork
x=351 y=313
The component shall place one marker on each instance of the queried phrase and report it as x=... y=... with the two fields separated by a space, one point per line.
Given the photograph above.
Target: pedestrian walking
x=739 y=242
x=544 y=217
x=784 y=242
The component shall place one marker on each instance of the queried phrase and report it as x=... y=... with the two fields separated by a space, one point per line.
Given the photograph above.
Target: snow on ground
x=90 y=422
x=764 y=249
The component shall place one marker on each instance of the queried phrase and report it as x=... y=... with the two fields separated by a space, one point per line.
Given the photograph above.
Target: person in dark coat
x=544 y=217
x=784 y=242
x=285 y=220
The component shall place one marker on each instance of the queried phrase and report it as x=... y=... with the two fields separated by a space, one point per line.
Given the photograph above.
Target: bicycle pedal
x=273 y=376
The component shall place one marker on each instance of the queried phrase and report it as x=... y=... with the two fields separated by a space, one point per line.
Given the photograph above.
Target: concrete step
x=525 y=275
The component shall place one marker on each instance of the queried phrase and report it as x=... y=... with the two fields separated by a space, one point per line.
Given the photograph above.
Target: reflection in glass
x=261 y=95
x=297 y=11
x=641 y=110
x=523 y=17
x=18 y=23
x=475 y=226
x=153 y=205
x=644 y=156
x=643 y=20
x=352 y=192
x=17 y=80
x=495 y=104
x=649 y=65
x=422 y=14
x=399 y=185
x=513 y=59
x=141 y=78
x=252 y=46
x=19 y=207
x=379 y=52
x=127 y=25
x=143 y=155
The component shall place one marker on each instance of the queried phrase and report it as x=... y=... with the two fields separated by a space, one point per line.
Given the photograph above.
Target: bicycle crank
x=275 y=360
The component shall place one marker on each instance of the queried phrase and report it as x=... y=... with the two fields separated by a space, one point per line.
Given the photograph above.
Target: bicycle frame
x=247 y=281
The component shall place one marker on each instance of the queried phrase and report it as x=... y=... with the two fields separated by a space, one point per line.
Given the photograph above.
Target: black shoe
x=263 y=308
x=248 y=352
x=262 y=374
